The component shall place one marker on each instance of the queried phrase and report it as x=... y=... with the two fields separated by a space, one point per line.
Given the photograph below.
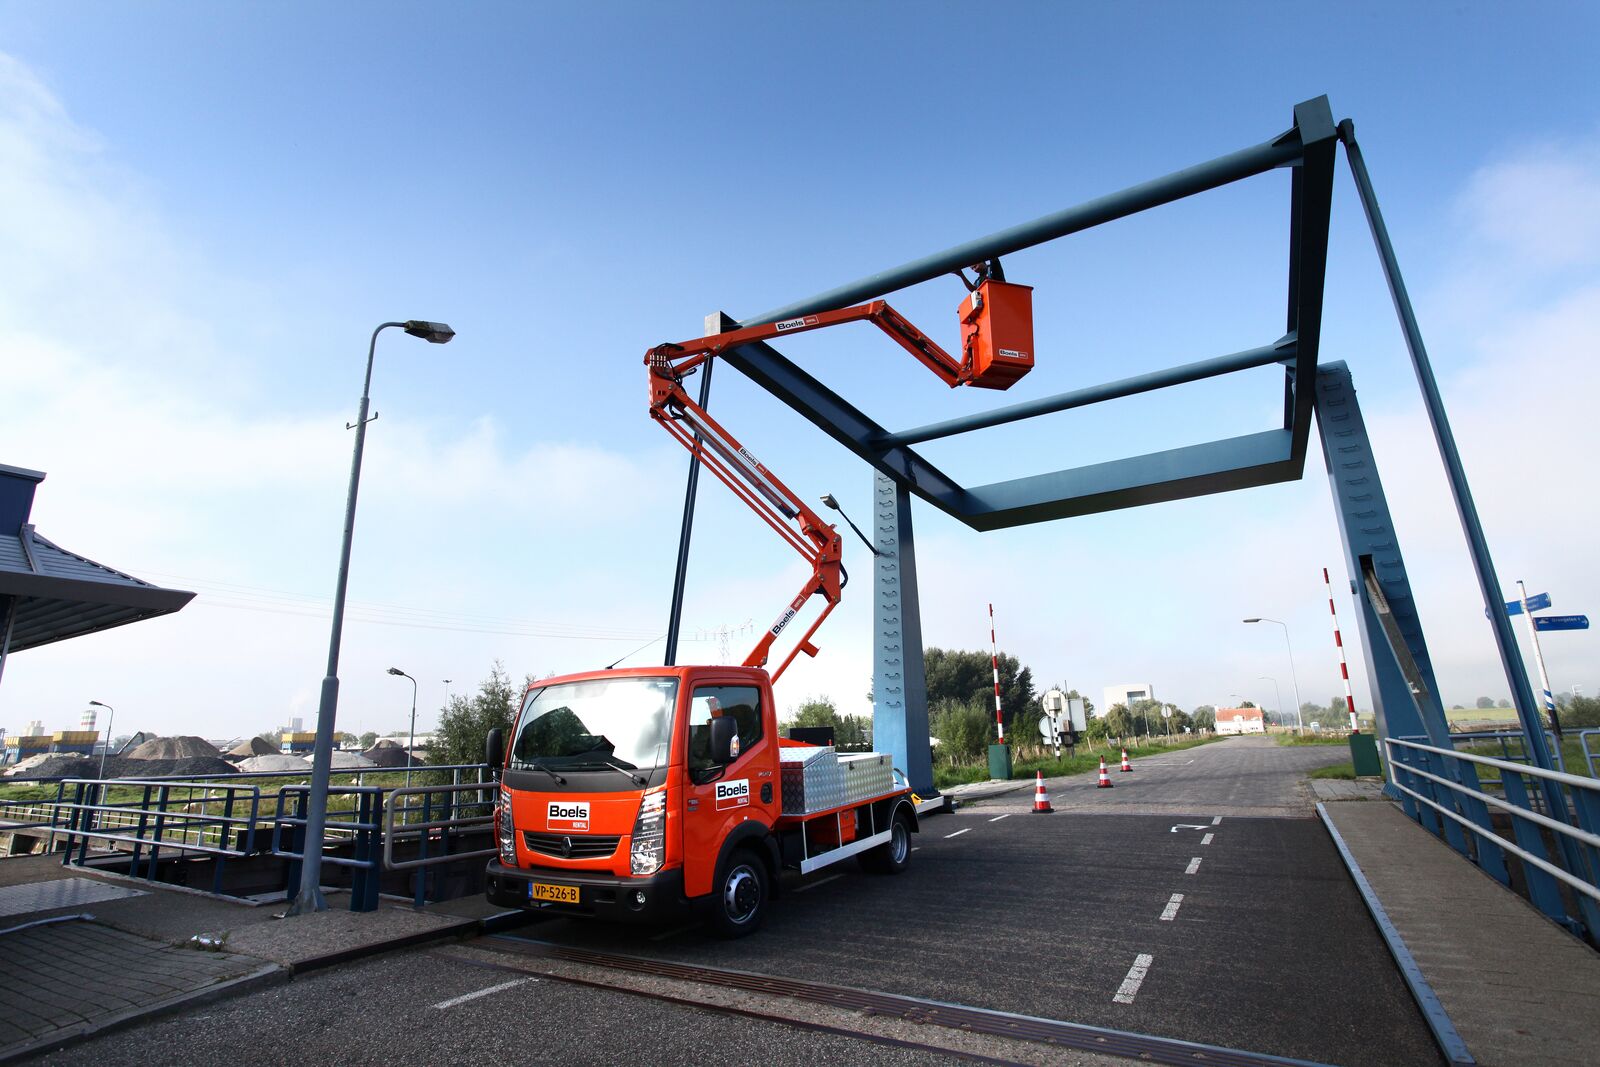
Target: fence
x=435 y=816
x=1554 y=817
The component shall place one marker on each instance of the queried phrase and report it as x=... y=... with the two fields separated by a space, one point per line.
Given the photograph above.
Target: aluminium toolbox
x=812 y=779
x=866 y=775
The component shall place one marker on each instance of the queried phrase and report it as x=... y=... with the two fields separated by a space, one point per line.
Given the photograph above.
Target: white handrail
x=1559 y=827
x=1573 y=780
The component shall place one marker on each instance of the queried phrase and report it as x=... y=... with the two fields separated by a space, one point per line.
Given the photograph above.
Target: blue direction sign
x=1537 y=602
x=1561 y=622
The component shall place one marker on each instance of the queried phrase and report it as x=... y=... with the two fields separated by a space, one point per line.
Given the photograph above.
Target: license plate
x=560 y=894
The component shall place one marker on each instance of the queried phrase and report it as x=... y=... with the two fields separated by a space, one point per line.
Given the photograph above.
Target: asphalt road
x=1198 y=924
x=408 y=1008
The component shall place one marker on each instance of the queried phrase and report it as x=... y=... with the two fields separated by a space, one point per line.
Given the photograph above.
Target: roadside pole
x=1538 y=659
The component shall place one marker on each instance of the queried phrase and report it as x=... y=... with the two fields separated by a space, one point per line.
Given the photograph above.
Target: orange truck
x=650 y=792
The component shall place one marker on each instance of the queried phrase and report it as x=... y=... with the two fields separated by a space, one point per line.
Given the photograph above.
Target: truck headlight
x=505 y=831
x=650 y=833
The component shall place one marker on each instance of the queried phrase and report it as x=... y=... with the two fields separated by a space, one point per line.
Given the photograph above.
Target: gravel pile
x=169 y=748
x=274 y=763
x=350 y=761
x=65 y=765
x=255 y=746
x=387 y=754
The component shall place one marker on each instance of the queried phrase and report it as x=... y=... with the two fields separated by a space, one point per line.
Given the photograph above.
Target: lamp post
x=110 y=719
x=1275 y=689
x=1293 y=676
x=411 y=742
x=309 y=897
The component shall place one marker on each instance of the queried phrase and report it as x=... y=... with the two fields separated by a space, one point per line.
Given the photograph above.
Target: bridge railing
x=435 y=817
x=206 y=818
x=1561 y=859
x=1588 y=741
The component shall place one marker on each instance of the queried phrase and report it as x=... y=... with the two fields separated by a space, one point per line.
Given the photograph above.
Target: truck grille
x=573 y=846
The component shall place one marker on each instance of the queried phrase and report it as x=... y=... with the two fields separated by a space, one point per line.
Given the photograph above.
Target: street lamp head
x=829 y=502
x=435 y=333
x=1252 y=620
x=397 y=672
x=97 y=704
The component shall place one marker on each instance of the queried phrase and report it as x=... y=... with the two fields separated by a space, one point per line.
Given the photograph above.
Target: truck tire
x=739 y=901
x=895 y=855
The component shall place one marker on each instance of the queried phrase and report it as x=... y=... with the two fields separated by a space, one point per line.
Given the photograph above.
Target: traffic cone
x=1105 y=779
x=1125 y=764
x=1041 y=799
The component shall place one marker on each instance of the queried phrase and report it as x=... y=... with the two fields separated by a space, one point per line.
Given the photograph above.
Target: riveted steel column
x=1367 y=532
x=899 y=688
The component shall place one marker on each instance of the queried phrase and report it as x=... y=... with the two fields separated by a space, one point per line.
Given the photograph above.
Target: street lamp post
x=1275 y=689
x=411 y=742
x=309 y=897
x=1293 y=675
x=110 y=720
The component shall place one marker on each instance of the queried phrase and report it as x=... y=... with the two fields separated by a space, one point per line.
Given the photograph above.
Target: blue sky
x=208 y=208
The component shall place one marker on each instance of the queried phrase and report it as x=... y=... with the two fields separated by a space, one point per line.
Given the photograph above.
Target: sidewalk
x=85 y=953
x=1518 y=989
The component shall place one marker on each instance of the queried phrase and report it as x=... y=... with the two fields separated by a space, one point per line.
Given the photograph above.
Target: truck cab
x=641 y=793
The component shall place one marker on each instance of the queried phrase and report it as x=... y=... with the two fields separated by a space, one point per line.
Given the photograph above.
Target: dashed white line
x=820 y=881
x=1170 y=912
x=997 y=818
x=1130 y=985
x=1206 y=840
x=1216 y=820
x=1194 y=865
x=958 y=833
x=453 y=1001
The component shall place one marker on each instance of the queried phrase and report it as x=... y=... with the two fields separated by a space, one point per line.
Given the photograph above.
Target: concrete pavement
x=1518 y=989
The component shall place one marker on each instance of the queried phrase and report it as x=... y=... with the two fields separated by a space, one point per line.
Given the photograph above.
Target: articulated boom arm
x=803 y=529
x=689 y=355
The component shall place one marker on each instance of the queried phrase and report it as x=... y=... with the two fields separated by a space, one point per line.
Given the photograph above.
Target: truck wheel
x=739 y=903
x=895 y=856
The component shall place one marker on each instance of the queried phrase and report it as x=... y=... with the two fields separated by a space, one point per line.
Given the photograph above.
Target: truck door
x=745 y=789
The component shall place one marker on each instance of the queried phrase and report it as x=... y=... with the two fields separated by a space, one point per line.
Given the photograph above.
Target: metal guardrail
x=187 y=817
x=1505 y=737
x=1423 y=774
x=366 y=821
x=1591 y=758
x=441 y=816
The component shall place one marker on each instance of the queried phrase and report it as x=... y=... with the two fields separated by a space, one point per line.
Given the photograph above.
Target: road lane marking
x=1194 y=865
x=453 y=1001
x=820 y=881
x=958 y=833
x=997 y=818
x=916 y=848
x=1130 y=985
x=1206 y=840
x=1216 y=820
x=1170 y=912
x=1185 y=826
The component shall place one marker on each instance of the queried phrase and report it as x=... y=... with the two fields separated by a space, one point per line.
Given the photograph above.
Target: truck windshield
x=623 y=722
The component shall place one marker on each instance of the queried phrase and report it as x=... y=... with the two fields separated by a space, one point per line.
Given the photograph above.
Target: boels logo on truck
x=567 y=815
x=735 y=794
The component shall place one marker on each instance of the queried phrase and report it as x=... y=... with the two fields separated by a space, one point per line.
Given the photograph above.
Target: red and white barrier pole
x=1344 y=668
x=994 y=661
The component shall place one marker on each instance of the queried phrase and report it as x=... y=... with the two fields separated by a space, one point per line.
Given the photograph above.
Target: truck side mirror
x=494 y=751
x=724 y=731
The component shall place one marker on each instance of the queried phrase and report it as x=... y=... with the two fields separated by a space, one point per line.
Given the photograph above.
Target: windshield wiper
x=536 y=765
x=636 y=779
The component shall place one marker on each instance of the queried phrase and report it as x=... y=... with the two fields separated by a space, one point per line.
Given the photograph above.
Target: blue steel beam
x=1483 y=564
x=1366 y=529
x=1283 y=349
x=899 y=685
x=1287 y=149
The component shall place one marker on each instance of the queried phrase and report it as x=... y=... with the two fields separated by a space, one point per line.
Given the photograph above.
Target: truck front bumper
x=654 y=898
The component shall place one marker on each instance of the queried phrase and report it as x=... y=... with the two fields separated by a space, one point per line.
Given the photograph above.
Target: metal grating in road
x=915 y=1009
x=61 y=893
